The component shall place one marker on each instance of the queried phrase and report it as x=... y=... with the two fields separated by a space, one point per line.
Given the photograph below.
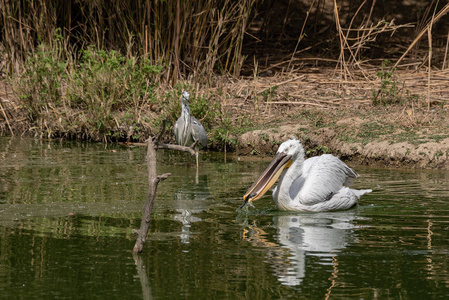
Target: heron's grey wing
x=176 y=129
x=198 y=132
x=324 y=176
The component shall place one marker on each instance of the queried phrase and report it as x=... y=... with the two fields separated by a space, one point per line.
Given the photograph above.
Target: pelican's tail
x=360 y=193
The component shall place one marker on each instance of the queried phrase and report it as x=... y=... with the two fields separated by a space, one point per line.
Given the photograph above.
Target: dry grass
x=196 y=41
x=186 y=37
x=264 y=102
x=318 y=87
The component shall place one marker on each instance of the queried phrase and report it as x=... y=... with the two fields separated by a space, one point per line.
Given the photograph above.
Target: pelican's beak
x=268 y=178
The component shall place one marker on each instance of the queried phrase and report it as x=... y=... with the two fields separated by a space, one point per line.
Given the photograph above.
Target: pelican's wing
x=323 y=176
x=198 y=132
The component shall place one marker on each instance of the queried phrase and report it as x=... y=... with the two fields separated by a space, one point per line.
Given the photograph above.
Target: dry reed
x=196 y=40
x=186 y=37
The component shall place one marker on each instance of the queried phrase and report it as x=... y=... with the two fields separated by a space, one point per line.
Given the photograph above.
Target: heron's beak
x=268 y=178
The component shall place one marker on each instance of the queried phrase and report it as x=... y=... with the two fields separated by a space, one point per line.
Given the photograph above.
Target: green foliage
x=203 y=110
x=40 y=85
x=318 y=150
x=98 y=85
x=269 y=93
x=223 y=135
x=264 y=137
x=389 y=89
x=107 y=81
x=314 y=117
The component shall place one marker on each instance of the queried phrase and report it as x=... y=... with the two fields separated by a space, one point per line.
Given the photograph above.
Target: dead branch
x=282 y=83
x=153 y=180
x=301 y=33
x=441 y=13
x=294 y=103
x=176 y=147
x=427 y=29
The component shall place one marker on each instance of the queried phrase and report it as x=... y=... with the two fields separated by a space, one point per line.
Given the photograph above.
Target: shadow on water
x=67 y=211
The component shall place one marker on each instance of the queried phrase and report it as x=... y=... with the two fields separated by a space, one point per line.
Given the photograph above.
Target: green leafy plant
x=318 y=150
x=223 y=135
x=269 y=93
x=40 y=85
x=111 y=81
x=93 y=92
x=389 y=89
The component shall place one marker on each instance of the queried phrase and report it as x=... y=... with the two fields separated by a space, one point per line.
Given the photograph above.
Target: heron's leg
x=197 y=164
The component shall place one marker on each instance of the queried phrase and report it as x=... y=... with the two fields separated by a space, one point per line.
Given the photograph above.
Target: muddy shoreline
x=328 y=116
x=385 y=153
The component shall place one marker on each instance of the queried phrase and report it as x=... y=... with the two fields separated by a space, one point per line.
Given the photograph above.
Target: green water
x=67 y=211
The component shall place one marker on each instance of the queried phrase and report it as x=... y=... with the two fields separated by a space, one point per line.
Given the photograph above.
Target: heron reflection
x=190 y=200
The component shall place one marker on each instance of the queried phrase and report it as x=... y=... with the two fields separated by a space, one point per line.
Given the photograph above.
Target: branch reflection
x=143 y=277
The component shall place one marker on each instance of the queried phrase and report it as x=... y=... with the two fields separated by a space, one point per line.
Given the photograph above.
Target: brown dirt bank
x=383 y=153
x=328 y=113
x=332 y=115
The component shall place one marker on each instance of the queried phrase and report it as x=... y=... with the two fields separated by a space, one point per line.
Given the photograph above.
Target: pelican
x=316 y=184
x=188 y=129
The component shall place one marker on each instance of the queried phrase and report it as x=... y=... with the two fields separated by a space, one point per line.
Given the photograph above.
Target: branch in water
x=153 y=179
x=176 y=147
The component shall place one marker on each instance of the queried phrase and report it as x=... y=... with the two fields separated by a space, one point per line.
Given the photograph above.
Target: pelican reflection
x=301 y=235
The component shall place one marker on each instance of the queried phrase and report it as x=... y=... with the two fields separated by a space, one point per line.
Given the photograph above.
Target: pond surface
x=68 y=209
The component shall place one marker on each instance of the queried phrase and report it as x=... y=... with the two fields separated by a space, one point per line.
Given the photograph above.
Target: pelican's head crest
x=291 y=147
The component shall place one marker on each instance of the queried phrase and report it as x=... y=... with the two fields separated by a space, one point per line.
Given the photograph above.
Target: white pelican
x=315 y=184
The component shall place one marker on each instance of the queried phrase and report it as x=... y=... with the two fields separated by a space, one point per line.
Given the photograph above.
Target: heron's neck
x=185 y=108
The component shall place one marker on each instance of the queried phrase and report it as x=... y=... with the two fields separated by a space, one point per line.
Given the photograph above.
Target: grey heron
x=315 y=184
x=188 y=129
